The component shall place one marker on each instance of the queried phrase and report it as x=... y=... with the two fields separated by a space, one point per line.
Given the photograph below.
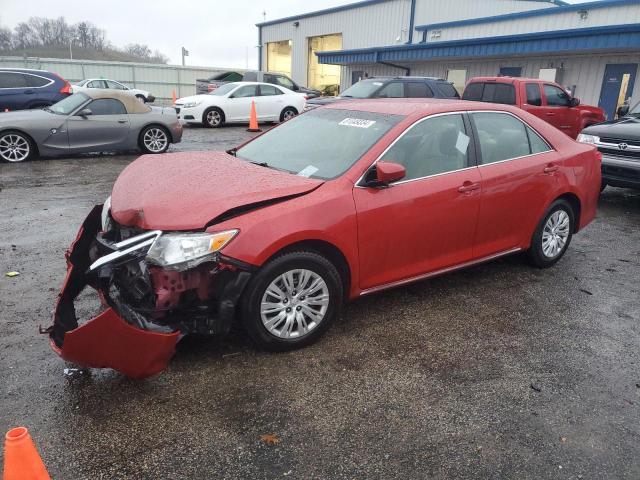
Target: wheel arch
x=574 y=201
x=326 y=249
x=26 y=134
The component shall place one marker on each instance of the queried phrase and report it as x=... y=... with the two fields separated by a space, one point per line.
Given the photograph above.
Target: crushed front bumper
x=133 y=338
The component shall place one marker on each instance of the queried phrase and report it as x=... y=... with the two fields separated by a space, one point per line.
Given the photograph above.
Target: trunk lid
x=186 y=191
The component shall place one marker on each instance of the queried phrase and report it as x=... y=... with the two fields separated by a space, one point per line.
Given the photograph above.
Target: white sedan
x=106 y=84
x=231 y=102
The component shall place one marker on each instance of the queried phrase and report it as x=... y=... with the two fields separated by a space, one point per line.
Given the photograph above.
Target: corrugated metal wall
x=612 y=15
x=437 y=11
x=160 y=80
x=586 y=72
x=377 y=24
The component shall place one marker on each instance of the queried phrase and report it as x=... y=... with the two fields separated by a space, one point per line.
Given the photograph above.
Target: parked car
x=204 y=86
x=92 y=121
x=23 y=88
x=544 y=99
x=619 y=142
x=106 y=84
x=340 y=202
x=392 y=87
x=232 y=103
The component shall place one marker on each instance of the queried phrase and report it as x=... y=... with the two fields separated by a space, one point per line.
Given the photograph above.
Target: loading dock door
x=617 y=87
x=279 y=57
x=325 y=78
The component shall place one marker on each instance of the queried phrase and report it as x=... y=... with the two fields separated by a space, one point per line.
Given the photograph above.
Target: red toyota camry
x=342 y=201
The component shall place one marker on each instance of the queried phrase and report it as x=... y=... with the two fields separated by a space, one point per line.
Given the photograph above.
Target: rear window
x=37 y=81
x=448 y=90
x=504 y=93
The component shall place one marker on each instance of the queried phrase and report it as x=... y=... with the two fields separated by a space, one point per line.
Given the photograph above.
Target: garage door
x=279 y=57
x=325 y=78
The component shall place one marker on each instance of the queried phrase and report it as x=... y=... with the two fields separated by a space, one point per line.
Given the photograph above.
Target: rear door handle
x=551 y=168
x=122 y=121
x=551 y=114
x=468 y=187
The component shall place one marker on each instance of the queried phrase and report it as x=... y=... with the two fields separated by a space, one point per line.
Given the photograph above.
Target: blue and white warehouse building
x=592 y=48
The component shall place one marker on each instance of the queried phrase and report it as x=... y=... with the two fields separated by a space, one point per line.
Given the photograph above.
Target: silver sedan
x=96 y=121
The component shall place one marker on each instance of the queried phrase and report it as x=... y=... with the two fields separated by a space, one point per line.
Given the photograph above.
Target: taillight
x=66 y=88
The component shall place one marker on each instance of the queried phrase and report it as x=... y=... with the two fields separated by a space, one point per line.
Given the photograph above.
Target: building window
x=325 y=78
x=279 y=57
x=458 y=78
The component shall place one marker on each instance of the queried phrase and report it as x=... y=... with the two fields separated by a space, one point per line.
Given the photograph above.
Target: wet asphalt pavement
x=501 y=371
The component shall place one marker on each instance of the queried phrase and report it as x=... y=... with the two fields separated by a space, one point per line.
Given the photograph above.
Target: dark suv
x=22 y=88
x=208 y=85
x=393 y=87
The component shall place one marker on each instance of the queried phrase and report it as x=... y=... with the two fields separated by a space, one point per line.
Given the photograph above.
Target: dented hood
x=187 y=190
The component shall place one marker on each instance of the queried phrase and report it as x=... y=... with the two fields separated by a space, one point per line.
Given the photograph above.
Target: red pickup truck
x=542 y=98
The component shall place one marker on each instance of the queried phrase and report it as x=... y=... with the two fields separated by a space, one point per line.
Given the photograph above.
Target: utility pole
x=70 y=52
x=185 y=53
x=264 y=15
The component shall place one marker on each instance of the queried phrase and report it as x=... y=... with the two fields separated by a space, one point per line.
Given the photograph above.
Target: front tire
x=16 y=147
x=154 y=139
x=292 y=301
x=553 y=235
x=213 y=118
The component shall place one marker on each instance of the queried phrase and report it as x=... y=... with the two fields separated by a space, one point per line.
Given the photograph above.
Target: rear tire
x=213 y=118
x=292 y=301
x=553 y=235
x=288 y=113
x=16 y=146
x=154 y=139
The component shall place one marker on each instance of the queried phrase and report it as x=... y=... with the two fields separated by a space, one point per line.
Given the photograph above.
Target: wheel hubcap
x=288 y=115
x=555 y=234
x=213 y=118
x=294 y=304
x=155 y=140
x=14 y=148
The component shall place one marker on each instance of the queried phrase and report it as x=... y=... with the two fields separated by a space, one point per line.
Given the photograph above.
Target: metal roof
x=617 y=37
x=529 y=13
x=362 y=3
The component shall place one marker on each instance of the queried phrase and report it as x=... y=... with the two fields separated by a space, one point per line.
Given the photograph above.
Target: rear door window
x=269 y=90
x=448 y=90
x=417 y=90
x=97 y=84
x=533 y=94
x=391 y=90
x=501 y=136
x=284 y=82
x=114 y=85
x=246 y=91
x=37 y=81
x=12 y=80
x=537 y=143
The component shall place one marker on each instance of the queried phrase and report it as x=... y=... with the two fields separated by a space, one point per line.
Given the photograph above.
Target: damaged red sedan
x=343 y=201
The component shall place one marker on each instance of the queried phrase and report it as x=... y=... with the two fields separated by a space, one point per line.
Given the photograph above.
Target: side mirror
x=574 y=102
x=623 y=110
x=85 y=112
x=295 y=87
x=388 y=172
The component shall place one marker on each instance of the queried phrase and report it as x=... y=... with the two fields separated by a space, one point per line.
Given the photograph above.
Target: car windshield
x=321 y=143
x=362 y=89
x=223 y=89
x=69 y=104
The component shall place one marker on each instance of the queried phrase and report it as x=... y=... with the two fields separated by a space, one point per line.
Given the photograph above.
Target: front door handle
x=122 y=121
x=468 y=187
x=551 y=169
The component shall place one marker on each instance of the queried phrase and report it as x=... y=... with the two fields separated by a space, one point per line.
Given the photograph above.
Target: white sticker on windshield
x=462 y=143
x=357 y=122
x=307 y=171
x=377 y=84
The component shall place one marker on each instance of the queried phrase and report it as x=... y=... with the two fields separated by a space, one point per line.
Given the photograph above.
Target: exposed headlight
x=104 y=215
x=584 y=138
x=191 y=104
x=186 y=250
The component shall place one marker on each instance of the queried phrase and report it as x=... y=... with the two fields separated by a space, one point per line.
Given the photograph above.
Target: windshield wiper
x=262 y=164
x=47 y=109
x=232 y=151
x=346 y=96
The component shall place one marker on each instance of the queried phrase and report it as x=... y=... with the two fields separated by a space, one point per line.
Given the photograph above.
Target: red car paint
x=387 y=236
x=570 y=120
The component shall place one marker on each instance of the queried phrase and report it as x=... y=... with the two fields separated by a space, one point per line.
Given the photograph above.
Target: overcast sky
x=217 y=33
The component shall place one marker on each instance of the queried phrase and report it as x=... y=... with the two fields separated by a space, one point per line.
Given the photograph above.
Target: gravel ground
x=501 y=371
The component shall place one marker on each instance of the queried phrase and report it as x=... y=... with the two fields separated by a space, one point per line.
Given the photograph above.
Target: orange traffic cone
x=173 y=97
x=253 y=119
x=21 y=458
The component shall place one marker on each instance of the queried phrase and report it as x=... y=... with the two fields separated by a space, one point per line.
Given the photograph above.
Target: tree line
x=38 y=32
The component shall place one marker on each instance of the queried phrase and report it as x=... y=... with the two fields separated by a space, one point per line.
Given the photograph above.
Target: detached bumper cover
x=106 y=341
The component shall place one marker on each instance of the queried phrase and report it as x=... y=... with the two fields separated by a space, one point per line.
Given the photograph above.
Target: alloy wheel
x=214 y=118
x=155 y=140
x=288 y=115
x=14 y=148
x=294 y=304
x=555 y=233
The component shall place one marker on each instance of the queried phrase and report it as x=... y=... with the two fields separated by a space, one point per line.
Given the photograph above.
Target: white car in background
x=107 y=84
x=231 y=102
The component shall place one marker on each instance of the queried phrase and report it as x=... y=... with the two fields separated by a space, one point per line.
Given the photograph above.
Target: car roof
x=131 y=103
x=255 y=83
x=507 y=79
x=417 y=106
x=437 y=79
x=27 y=70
